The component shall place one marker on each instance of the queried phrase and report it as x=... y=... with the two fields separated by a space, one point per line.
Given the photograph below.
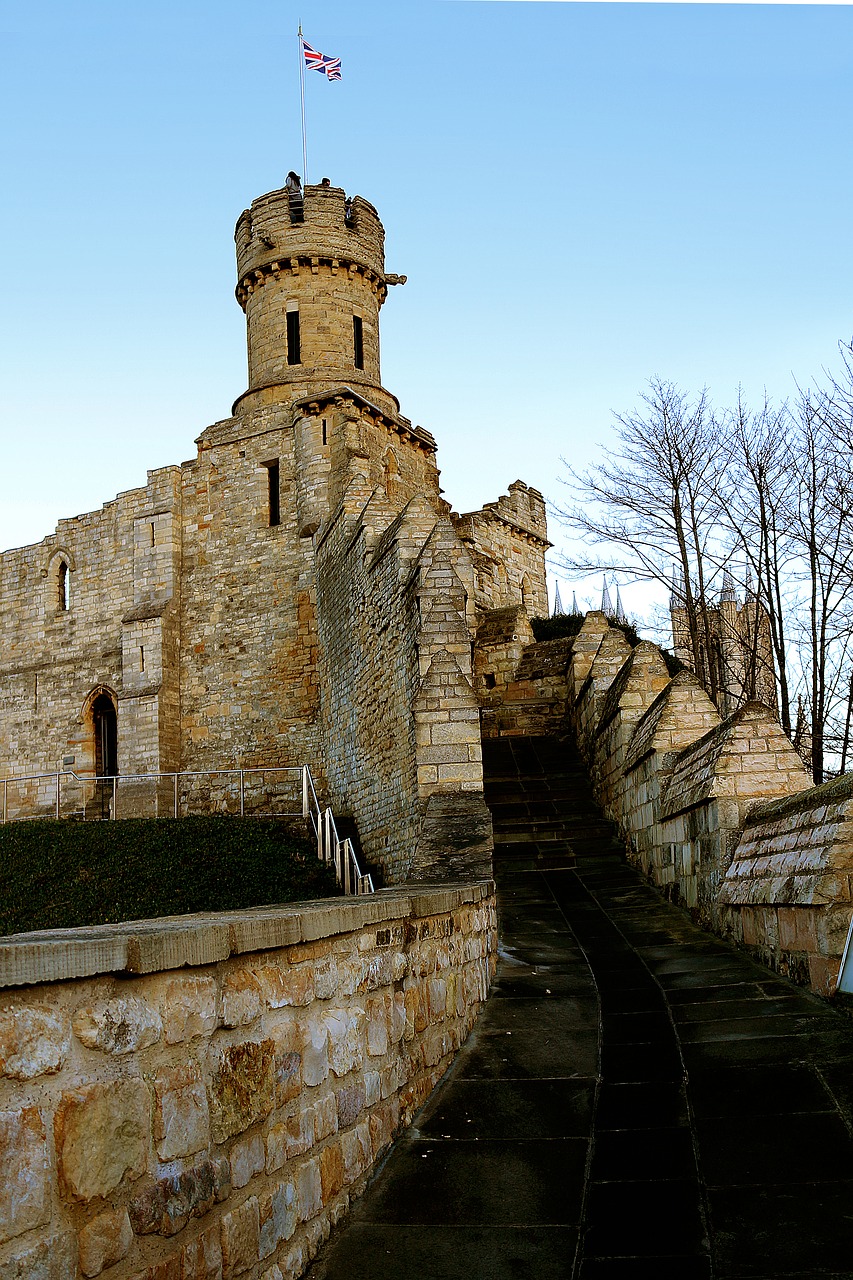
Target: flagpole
x=302 y=97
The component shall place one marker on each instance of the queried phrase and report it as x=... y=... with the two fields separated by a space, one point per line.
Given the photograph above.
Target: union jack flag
x=329 y=67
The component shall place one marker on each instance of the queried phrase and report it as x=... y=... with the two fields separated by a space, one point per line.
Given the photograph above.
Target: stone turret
x=311 y=280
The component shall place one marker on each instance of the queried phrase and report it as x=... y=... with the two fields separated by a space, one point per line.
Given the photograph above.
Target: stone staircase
x=543 y=812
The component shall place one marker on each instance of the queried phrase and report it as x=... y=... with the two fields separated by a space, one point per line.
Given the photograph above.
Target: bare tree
x=654 y=503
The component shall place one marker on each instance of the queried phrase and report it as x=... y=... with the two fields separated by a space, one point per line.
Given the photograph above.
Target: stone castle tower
x=299 y=592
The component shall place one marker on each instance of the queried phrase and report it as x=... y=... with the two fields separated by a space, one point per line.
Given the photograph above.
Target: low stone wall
x=200 y=1097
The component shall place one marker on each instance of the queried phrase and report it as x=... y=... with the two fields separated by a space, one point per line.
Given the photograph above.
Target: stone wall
x=200 y=1098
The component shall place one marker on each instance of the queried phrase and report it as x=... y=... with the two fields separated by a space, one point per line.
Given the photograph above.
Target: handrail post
x=5 y=790
x=176 y=795
x=58 y=776
x=305 y=791
x=241 y=793
x=115 y=798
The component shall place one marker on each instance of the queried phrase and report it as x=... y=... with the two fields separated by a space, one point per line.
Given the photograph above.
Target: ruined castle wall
x=205 y=1097
x=507 y=541
x=367 y=620
x=53 y=659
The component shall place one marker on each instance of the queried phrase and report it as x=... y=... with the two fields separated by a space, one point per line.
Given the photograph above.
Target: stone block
x=188 y=1008
x=325 y=1113
x=24 y=1190
x=240 y=1239
x=241 y=999
x=350 y=1102
x=104 y=1240
x=102 y=1133
x=345 y=1032
x=248 y=1157
x=332 y=1171
x=309 y=1190
x=34 y=1041
x=242 y=1087
x=201 y=1259
x=286 y=987
x=278 y=1217
x=54 y=1258
x=181 y=1119
x=288 y=1039
x=315 y=1051
x=118 y=1026
x=377 y=1028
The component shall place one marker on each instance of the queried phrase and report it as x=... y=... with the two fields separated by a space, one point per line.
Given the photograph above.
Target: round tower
x=311 y=280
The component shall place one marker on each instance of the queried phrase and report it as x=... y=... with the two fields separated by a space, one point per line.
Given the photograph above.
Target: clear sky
x=583 y=196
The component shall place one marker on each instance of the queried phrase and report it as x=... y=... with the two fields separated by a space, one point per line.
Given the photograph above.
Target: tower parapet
x=311 y=280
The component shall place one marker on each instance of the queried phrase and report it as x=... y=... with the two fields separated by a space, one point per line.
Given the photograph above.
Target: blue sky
x=583 y=196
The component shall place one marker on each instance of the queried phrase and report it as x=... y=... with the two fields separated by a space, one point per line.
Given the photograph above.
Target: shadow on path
x=637 y=1099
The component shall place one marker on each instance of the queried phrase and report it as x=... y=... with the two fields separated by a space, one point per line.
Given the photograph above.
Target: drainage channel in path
x=637 y=1099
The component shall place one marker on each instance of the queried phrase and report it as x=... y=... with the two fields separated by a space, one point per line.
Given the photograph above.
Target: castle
x=297 y=593
x=735 y=649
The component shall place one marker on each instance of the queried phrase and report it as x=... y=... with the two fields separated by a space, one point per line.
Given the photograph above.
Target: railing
x=223 y=791
x=330 y=847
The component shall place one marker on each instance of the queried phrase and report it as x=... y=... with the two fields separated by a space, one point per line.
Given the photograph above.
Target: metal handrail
x=330 y=847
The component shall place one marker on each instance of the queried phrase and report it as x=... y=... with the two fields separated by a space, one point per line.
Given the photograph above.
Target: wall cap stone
x=151 y=946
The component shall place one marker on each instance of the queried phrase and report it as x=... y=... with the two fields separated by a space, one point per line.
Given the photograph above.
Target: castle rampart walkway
x=638 y=1099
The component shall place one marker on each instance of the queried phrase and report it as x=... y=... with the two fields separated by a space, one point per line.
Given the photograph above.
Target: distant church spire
x=676 y=596
x=728 y=592
x=558 y=604
x=621 y=616
x=575 y=610
x=606 y=602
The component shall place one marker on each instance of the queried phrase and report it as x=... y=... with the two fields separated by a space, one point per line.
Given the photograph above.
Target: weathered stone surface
x=283 y=987
x=332 y=1172
x=278 y=1217
x=188 y=1008
x=165 y=1207
x=101 y=1133
x=181 y=1120
x=288 y=1041
x=118 y=1026
x=345 y=1032
x=350 y=1103
x=201 y=1259
x=240 y=1239
x=241 y=999
x=54 y=1258
x=104 y=1240
x=242 y=1088
x=309 y=1190
x=315 y=1051
x=34 y=1041
x=24 y=1189
x=248 y=1157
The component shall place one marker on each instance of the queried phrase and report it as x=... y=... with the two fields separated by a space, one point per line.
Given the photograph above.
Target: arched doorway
x=106 y=736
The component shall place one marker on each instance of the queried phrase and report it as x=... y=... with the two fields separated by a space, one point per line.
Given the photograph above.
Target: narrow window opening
x=490 y=679
x=35 y=692
x=152 y=533
x=358 y=342
x=273 y=493
x=62 y=583
x=325 y=439
x=293 y=349
x=142 y=657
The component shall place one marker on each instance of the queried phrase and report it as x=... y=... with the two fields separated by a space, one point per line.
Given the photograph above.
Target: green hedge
x=57 y=875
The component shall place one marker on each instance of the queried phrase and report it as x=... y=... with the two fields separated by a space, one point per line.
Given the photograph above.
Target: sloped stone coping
x=173 y=942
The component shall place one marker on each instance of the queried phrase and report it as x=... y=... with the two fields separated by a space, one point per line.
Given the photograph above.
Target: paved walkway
x=638 y=1099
